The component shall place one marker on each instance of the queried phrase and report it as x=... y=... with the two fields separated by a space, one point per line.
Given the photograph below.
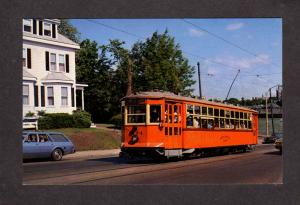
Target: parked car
x=46 y=145
x=30 y=123
x=279 y=141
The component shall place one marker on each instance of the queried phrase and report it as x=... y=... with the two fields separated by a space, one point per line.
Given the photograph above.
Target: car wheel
x=57 y=155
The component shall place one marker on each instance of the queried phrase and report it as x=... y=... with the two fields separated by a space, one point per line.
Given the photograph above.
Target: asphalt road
x=264 y=165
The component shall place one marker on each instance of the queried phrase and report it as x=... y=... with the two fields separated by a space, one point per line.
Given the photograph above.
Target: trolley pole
x=200 y=91
x=232 y=84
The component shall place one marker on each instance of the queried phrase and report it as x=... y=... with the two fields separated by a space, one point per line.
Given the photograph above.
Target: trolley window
x=155 y=113
x=216 y=112
x=204 y=110
x=136 y=114
x=197 y=110
x=210 y=111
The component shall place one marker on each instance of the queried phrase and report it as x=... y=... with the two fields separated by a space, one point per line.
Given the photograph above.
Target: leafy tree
x=233 y=101
x=67 y=29
x=95 y=70
x=157 y=63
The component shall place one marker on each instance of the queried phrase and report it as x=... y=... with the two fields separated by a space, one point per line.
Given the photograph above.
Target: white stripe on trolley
x=159 y=144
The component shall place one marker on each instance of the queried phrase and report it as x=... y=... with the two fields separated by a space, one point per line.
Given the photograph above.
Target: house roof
x=56 y=76
x=60 y=38
x=26 y=74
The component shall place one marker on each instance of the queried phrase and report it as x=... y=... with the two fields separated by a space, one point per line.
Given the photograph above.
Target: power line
x=142 y=37
x=116 y=29
x=225 y=40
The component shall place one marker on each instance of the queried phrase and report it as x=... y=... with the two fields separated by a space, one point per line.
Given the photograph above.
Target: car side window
x=58 y=138
x=43 y=138
x=32 y=138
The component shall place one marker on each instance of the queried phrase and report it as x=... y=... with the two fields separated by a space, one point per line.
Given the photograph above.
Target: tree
x=233 y=101
x=95 y=70
x=67 y=29
x=157 y=63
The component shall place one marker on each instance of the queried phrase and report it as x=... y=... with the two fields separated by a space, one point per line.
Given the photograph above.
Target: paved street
x=264 y=165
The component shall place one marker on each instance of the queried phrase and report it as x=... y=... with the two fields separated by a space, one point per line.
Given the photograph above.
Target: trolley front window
x=136 y=114
x=155 y=113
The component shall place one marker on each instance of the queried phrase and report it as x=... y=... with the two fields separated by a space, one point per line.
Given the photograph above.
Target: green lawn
x=262 y=125
x=92 y=138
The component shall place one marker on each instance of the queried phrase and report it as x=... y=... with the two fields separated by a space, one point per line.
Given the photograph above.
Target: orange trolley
x=168 y=125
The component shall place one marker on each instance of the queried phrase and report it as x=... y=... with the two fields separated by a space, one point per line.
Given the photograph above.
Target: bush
x=41 y=112
x=55 y=120
x=117 y=120
x=29 y=114
x=81 y=119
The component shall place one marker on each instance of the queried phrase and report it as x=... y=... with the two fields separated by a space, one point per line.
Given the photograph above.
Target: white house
x=49 y=78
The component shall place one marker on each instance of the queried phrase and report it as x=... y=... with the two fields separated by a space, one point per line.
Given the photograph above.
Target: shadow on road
x=273 y=153
x=117 y=160
x=37 y=160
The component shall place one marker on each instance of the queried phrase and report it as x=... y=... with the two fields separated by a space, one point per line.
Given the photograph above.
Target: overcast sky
x=257 y=49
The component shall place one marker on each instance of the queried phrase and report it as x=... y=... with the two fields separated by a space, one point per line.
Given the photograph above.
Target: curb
x=92 y=154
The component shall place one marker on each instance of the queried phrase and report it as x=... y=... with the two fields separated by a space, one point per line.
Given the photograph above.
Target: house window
x=47 y=29
x=24 y=59
x=27 y=25
x=53 y=62
x=50 y=94
x=64 y=96
x=25 y=94
x=62 y=67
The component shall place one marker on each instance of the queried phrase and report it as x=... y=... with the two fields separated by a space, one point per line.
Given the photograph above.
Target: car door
x=31 y=146
x=45 y=145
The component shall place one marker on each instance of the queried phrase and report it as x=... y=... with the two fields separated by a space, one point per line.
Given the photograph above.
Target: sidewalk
x=92 y=154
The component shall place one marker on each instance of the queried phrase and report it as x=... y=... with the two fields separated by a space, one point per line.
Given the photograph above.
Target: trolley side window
x=155 y=113
x=136 y=114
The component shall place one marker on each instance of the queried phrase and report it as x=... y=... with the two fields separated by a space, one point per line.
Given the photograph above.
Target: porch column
x=82 y=99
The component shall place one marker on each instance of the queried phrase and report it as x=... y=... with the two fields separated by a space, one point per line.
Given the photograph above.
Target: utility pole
x=271 y=112
x=232 y=84
x=267 y=123
x=129 y=76
x=200 y=91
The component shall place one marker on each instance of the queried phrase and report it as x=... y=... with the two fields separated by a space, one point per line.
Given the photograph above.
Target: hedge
x=79 y=119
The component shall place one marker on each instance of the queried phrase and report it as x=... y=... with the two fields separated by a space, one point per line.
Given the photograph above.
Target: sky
x=222 y=46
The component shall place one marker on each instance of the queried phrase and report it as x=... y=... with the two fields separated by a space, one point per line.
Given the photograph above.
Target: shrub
x=41 y=112
x=117 y=120
x=29 y=114
x=55 y=120
x=81 y=119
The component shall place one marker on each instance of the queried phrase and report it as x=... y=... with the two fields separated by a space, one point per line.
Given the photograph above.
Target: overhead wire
x=188 y=53
x=227 y=41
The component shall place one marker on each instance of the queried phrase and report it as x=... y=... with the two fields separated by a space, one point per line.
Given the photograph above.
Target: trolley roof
x=172 y=96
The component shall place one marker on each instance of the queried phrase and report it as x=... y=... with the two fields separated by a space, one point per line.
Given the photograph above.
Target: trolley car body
x=165 y=124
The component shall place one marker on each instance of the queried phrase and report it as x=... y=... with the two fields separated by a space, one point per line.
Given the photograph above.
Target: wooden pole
x=129 y=76
x=267 y=123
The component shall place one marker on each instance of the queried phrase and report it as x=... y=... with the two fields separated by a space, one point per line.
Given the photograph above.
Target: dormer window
x=27 y=25
x=47 y=29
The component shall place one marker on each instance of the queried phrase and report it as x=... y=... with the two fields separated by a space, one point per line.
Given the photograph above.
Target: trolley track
x=127 y=170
